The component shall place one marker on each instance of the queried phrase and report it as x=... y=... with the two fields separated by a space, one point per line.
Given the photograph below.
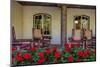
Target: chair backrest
x=76 y=34
x=88 y=34
x=37 y=33
x=13 y=34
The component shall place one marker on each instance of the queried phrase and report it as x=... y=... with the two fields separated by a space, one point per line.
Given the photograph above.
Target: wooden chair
x=46 y=41
x=37 y=37
x=87 y=34
x=13 y=34
x=76 y=37
x=76 y=34
x=20 y=44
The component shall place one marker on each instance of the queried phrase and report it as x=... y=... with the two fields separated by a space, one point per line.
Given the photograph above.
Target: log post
x=63 y=25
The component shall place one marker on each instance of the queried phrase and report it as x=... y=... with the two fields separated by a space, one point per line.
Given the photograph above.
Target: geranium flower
x=14 y=49
x=70 y=59
x=81 y=53
x=66 y=45
x=77 y=45
x=41 y=61
x=41 y=55
x=54 y=49
x=72 y=45
x=19 y=58
x=57 y=55
x=68 y=49
x=48 y=52
x=33 y=49
x=87 y=53
x=78 y=60
x=19 y=54
x=27 y=56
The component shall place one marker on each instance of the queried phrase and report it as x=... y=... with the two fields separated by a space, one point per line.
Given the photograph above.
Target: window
x=81 y=22
x=42 y=21
x=77 y=22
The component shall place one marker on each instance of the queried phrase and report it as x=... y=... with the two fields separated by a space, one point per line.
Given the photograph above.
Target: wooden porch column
x=63 y=24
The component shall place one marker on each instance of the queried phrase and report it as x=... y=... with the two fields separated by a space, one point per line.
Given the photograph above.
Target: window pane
x=46 y=24
x=37 y=22
x=85 y=22
x=77 y=22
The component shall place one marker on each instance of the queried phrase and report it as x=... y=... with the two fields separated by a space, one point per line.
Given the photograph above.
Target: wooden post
x=63 y=24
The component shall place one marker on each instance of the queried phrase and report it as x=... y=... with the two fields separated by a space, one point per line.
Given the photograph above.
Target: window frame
x=74 y=26
x=43 y=20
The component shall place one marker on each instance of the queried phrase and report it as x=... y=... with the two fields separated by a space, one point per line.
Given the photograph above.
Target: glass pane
x=77 y=22
x=85 y=22
x=37 y=22
x=46 y=25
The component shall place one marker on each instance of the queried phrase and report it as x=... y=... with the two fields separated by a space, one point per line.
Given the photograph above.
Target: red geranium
x=54 y=49
x=14 y=49
x=19 y=58
x=72 y=45
x=78 y=60
x=41 y=61
x=66 y=45
x=68 y=49
x=57 y=55
x=70 y=59
x=33 y=49
x=48 y=52
x=87 y=53
x=41 y=55
x=81 y=53
x=27 y=56
x=19 y=54
x=77 y=45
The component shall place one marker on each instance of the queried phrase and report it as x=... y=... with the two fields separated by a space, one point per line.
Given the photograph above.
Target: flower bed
x=69 y=54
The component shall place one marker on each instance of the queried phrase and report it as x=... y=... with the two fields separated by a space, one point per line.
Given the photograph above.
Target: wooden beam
x=63 y=24
x=28 y=3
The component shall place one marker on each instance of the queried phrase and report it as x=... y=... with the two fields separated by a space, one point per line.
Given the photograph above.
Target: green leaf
x=67 y=55
x=15 y=62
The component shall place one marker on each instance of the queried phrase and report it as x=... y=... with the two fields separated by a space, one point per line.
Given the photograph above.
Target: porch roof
x=28 y=3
